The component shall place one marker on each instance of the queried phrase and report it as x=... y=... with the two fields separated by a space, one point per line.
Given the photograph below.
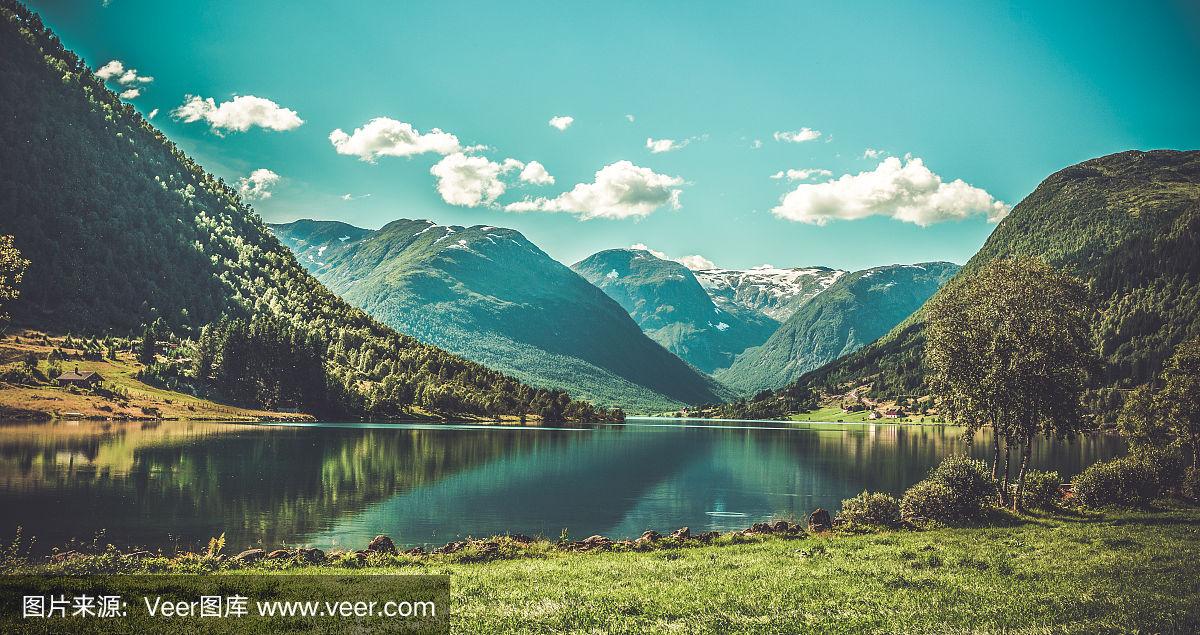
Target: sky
x=840 y=134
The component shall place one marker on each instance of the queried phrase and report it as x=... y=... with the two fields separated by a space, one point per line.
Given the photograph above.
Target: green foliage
x=12 y=270
x=123 y=229
x=1041 y=489
x=1190 y=489
x=1139 y=420
x=956 y=490
x=1132 y=480
x=1179 y=400
x=871 y=509
x=1008 y=346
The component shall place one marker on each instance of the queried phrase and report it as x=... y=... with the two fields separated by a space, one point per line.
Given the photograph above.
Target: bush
x=1136 y=479
x=1041 y=489
x=871 y=510
x=956 y=490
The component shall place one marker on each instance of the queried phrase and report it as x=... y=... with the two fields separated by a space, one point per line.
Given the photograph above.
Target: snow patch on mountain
x=774 y=291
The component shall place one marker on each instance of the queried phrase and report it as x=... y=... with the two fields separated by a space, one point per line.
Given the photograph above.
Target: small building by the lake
x=85 y=379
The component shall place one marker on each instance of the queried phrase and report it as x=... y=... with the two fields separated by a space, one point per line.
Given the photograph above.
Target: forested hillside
x=492 y=296
x=853 y=312
x=669 y=304
x=123 y=230
x=1129 y=225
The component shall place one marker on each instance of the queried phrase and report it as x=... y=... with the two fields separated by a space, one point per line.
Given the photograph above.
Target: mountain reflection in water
x=175 y=484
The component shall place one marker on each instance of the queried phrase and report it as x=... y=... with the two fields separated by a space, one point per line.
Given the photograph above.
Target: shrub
x=1041 y=489
x=1132 y=480
x=956 y=490
x=871 y=510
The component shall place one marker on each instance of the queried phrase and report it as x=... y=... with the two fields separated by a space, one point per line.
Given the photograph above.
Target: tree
x=147 y=348
x=1140 y=420
x=1179 y=400
x=12 y=269
x=1009 y=347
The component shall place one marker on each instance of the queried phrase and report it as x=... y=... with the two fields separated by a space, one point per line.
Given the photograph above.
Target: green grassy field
x=1135 y=573
x=834 y=414
x=1117 y=572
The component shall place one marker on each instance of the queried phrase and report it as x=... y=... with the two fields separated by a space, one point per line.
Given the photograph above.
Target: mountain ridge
x=670 y=305
x=504 y=302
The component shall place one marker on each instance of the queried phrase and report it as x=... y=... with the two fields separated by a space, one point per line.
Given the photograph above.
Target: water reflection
x=176 y=484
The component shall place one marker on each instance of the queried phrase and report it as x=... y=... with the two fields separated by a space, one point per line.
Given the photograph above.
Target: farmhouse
x=85 y=379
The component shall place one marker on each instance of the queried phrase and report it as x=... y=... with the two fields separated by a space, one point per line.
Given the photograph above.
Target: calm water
x=175 y=484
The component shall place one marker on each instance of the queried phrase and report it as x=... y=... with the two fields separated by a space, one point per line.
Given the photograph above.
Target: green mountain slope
x=124 y=229
x=1128 y=224
x=853 y=312
x=492 y=296
x=671 y=306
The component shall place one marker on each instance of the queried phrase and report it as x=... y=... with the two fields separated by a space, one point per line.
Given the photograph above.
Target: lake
x=175 y=484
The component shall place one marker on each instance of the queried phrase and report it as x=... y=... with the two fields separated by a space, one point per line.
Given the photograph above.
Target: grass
x=835 y=413
x=137 y=400
x=1112 y=572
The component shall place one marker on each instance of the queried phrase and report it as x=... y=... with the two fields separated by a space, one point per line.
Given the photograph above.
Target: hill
x=1129 y=225
x=670 y=305
x=854 y=311
x=123 y=230
x=490 y=295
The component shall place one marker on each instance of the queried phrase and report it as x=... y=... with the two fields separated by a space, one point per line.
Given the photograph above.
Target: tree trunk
x=1196 y=451
x=1007 y=461
x=996 y=463
x=1016 y=502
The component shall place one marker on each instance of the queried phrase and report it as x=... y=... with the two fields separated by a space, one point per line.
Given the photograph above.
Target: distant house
x=85 y=379
x=893 y=414
x=874 y=414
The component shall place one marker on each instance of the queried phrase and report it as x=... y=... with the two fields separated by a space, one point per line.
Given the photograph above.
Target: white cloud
x=471 y=181
x=115 y=69
x=756 y=144
x=872 y=153
x=629 y=118
x=797 y=136
x=535 y=173
x=695 y=262
x=110 y=70
x=387 y=137
x=238 y=115
x=908 y=192
x=620 y=190
x=561 y=121
x=802 y=174
x=658 y=146
x=258 y=185
x=350 y=197
x=152 y=114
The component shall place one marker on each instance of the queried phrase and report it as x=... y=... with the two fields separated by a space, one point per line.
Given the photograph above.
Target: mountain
x=1129 y=225
x=490 y=295
x=771 y=291
x=854 y=311
x=123 y=230
x=670 y=305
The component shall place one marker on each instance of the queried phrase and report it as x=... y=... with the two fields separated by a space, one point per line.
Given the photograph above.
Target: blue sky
x=995 y=96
